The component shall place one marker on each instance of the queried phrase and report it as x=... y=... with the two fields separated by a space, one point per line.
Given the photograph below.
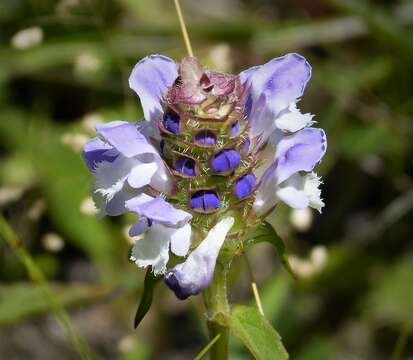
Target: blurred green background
x=64 y=67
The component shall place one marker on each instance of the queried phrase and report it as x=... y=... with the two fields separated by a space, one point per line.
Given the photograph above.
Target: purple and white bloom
x=123 y=163
x=195 y=274
x=165 y=227
x=214 y=150
x=295 y=153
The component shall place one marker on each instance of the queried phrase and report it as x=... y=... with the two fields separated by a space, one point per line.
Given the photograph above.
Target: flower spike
x=214 y=148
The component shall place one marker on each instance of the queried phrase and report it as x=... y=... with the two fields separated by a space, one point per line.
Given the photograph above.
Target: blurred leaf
x=22 y=300
x=274 y=293
x=17 y=169
x=345 y=79
x=146 y=301
x=318 y=348
x=10 y=237
x=386 y=27
x=391 y=299
x=266 y=233
x=256 y=333
x=298 y=35
x=375 y=138
x=139 y=349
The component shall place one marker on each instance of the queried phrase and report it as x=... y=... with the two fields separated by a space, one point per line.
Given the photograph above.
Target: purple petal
x=116 y=205
x=205 y=201
x=171 y=122
x=196 y=273
x=226 y=160
x=235 y=128
x=244 y=186
x=96 y=151
x=298 y=152
x=186 y=166
x=141 y=225
x=205 y=138
x=271 y=88
x=246 y=75
x=126 y=138
x=150 y=79
x=282 y=80
x=247 y=145
x=158 y=210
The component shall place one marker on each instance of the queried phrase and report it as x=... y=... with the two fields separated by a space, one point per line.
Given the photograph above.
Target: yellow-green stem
x=183 y=28
x=217 y=307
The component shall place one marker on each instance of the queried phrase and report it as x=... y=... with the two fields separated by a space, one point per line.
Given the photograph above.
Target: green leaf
x=20 y=301
x=265 y=232
x=391 y=299
x=256 y=333
x=147 y=297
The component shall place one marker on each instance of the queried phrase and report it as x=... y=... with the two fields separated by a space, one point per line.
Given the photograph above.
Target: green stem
x=216 y=303
x=38 y=278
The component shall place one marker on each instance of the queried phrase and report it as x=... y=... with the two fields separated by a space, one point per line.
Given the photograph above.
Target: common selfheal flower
x=214 y=150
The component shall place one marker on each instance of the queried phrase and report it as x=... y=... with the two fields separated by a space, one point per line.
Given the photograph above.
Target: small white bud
x=301 y=219
x=27 y=38
x=75 y=141
x=53 y=242
x=87 y=207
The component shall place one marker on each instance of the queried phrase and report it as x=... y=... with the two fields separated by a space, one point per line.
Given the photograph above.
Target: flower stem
x=254 y=286
x=183 y=28
x=216 y=303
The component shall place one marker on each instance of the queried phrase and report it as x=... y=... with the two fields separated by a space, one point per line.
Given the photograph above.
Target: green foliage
x=21 y=300
x=256 y=334
x=391 y=298
x=147 y=296
x=266 y=233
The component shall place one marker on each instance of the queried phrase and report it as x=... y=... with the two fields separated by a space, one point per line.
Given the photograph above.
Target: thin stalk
x=254 y=286
x=216 y=303
x=203 y=352
x=36 y=275
x=183 y=28
x=401 y=341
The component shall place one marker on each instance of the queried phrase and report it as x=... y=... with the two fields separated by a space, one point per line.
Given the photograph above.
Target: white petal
x=311 y=188
x=110 y=176
x=293 y=120
x=153 y=249
x=181 y=240
x=266 y=197
x=300 y=191
x=142 y=174
x=293 y=197
x=162 y=180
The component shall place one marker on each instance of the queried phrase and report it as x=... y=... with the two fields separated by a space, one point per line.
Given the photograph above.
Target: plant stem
x=216 y=303
x=38 y=278
x=254 y=286
x=183 y=28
